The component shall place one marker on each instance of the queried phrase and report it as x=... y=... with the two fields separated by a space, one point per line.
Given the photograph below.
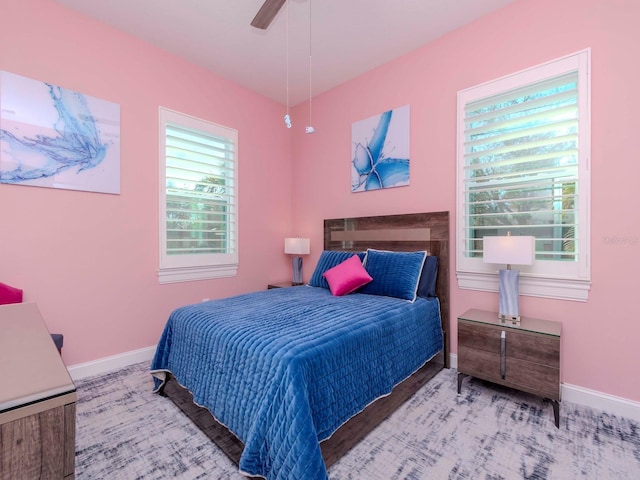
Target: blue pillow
x=427 y=285
x=329 y=259
x=395 y=274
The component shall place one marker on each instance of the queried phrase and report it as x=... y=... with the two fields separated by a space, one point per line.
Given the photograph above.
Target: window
x=198 y=201
x=523 y=167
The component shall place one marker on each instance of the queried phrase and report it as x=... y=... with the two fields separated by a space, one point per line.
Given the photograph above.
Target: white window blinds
x=200 y=190
x=198 y=199
x=521 y=167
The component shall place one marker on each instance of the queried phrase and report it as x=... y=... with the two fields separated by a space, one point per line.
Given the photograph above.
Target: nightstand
x=282 y=285
x=524 y=356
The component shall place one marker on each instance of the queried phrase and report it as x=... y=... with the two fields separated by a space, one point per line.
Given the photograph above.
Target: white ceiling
x=348 y=37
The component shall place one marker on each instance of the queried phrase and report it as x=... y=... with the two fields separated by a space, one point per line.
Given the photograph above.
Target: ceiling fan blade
x=267 y=13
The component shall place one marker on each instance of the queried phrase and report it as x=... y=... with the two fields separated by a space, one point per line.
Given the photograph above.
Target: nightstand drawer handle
x=503 y=353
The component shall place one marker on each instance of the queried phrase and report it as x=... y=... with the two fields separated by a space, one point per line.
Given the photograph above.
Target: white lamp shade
x=297 y=246
x=509 y=250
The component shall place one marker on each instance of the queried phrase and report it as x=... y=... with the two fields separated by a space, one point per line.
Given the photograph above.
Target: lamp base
x=512 y=319
x=296 y=263
x=509 y=293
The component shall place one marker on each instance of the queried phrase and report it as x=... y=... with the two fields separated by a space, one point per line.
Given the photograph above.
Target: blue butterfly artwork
x=381 y=151
x=54 y=137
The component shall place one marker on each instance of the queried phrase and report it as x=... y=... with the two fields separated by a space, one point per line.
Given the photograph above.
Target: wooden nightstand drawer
x=479 y=363
x=478 y=337
x=523 y=345
x=533 y=378
x=533 y=348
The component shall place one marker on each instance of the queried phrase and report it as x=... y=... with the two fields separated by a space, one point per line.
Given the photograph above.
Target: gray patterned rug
x=124 y=431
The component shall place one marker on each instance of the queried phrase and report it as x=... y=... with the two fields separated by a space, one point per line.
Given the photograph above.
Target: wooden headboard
x=406 y=232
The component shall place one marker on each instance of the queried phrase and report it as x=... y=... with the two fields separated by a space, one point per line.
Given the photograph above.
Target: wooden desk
x=37 y=399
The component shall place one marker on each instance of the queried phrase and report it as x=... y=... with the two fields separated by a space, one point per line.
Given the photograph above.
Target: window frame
x=184 y=268
x=544 y=278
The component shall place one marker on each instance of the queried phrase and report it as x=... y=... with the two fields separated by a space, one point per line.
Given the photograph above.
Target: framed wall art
x=380 y=151
x=57 y=138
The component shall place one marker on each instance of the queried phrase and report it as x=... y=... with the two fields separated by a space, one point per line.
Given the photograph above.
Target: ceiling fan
x=266 y=14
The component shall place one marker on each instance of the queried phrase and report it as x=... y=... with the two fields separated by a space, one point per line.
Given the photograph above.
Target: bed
x=298 y=375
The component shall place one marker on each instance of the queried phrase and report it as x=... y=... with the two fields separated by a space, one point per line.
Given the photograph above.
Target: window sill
x=561 y=289
x=188 y=274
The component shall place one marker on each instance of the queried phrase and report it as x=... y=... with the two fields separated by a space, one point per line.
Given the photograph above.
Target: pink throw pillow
x=347 y=276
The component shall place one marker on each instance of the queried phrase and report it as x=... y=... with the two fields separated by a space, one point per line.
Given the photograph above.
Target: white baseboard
x=601 y=401
x=570 y=393
x=590 y=398
x=114 y=362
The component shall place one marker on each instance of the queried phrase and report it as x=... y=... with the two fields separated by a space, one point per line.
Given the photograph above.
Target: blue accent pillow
x=329 y=259
x=395 y=274
x=427 y=285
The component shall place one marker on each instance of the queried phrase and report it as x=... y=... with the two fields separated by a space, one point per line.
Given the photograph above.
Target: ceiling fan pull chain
x=309 y=128
x=287 y=118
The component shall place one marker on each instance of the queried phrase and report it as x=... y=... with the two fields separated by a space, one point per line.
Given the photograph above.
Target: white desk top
x=31 y=369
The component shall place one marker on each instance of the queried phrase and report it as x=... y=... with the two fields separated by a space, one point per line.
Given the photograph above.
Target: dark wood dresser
x=37 y=400
x=524 y=356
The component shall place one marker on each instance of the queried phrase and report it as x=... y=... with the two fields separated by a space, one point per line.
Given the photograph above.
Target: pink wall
x=89 y=260
x=600 y=337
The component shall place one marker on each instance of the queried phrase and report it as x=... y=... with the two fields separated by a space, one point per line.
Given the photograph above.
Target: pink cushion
x=9 y=294
x=347 y=276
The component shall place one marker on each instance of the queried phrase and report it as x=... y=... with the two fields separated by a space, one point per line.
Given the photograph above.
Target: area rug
x=124 y=431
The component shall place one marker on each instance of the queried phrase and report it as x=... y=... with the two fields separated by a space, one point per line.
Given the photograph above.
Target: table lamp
x=509 y=250
x=296 y=247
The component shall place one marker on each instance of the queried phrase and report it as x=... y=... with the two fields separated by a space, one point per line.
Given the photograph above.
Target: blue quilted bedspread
x=284 y=368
